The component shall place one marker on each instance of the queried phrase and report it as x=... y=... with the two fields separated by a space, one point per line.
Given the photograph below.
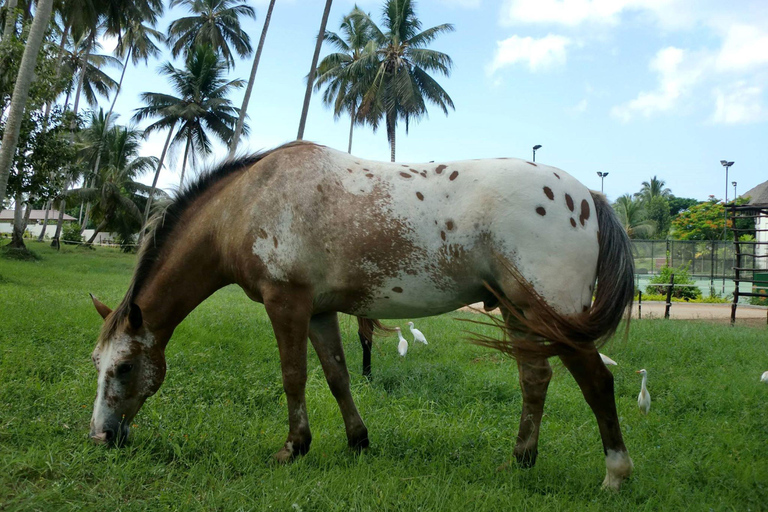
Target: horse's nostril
x=110 y=435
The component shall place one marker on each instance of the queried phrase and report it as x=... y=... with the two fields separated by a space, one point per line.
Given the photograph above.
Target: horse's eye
x=124 y=369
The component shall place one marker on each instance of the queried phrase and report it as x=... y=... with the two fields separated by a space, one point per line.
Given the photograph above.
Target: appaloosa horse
x=310 y=232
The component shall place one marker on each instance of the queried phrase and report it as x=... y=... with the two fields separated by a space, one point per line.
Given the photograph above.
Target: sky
x=634 y=88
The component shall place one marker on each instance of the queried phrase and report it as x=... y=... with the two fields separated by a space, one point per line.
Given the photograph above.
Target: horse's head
x=131 y=367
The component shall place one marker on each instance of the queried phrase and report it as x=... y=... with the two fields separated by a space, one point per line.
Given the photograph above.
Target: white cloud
x=538 y=54
x=740 y=103
x=579 y=108
x=744 y=47
x=678 y=71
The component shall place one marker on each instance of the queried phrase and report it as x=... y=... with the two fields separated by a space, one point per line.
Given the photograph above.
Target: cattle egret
x=764 y=377
x=607 y=360
x=402 y=347
x=644 y=398
x=417 y=334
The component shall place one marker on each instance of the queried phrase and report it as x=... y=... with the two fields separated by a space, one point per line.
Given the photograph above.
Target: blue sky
x=635 y=88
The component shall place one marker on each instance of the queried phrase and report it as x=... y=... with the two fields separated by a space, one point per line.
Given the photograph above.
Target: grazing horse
x=310 y=232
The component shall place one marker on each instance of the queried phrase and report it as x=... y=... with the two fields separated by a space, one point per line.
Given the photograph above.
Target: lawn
x=441 y=420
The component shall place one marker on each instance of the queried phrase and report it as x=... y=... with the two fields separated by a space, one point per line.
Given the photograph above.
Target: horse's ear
x=135 y=319
x=103 y=310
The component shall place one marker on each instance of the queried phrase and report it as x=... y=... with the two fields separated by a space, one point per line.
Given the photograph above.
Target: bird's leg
x=596 y=383
x=326 y=339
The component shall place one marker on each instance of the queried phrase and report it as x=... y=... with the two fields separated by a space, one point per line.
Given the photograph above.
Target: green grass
x=440 y=421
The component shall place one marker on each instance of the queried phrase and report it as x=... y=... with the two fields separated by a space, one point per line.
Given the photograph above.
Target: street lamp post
x=537 y=146
x=734 y=190
x=602 y=177
x=727 y=165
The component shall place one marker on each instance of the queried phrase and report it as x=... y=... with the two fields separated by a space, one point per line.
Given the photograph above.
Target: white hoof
x=618 y=467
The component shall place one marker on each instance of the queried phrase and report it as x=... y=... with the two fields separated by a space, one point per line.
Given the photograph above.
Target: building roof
x=758 y=194
x=36 y=215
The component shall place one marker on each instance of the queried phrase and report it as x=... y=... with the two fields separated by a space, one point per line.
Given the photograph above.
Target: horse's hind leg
x=534 y=381
x=290 y=314
x=596 y=383
x=365 y=333
x=326 y=339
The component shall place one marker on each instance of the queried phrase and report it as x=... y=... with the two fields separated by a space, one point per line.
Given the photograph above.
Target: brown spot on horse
x=420 y=196
x=548 y=192
x=442 y=235
x=541 y=211
x=449 y=224
x=454 y=175
x=531 y=163
x=556 y=175
x=262 y=234
x=274 y=240
x=414 y=171
x=369 y=175
x=569 y=201
x=584 y=211
x=573 y=222
x=397 y=289
x=440 y=168
x=405 y=175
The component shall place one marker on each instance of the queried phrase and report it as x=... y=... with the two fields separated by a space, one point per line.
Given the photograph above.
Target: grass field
x=440 y=420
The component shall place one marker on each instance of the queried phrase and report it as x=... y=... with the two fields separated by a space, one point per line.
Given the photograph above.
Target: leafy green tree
x=653 y=188
x=215 y=23
x=402 y=84
x=633 y=217
x=202 y=105
x=704 y=221
x=113 y=190
x=682 y=277
x=657 y=211
x=678 y=204
x=343 y=89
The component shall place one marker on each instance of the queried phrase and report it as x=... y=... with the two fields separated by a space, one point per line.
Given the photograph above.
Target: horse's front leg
x=326 y=339
x=596 y=383
x=290 y=313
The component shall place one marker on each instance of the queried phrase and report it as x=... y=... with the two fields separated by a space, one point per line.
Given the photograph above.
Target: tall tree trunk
x=60 y=222
x=17 y=233
x=241 y=120
x=86 y=218
x=351 y=128
x=154 y=184
x=9 y=28
x=59 y=60
x=21 y=91
x=184 y=162
x=313 y=70
x=117 y=92
x=98 y=230
x=41 y=237
x=81 y=78
x=391 y=135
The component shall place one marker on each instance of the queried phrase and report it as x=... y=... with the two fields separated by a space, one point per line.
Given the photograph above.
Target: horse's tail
x=366 y=326
x=540 y=331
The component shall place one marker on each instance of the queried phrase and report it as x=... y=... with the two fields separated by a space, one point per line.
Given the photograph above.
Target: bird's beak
x=638 y=371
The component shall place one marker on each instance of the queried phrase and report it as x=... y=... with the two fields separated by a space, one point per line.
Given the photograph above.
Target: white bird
x=607 y=360
x=417 y=334
x=644 y=398
x=402 y=347
x=764 y=377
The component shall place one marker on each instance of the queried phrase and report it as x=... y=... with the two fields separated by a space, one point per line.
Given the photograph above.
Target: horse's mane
x=166 y=219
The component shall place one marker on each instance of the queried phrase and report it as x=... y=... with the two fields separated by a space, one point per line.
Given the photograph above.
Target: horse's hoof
x=618 y=468
x=526 y=459
x=290 y=451
x=284 y=456
x=359 y=444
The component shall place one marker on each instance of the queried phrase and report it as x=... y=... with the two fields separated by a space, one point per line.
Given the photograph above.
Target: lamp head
x=537 y=146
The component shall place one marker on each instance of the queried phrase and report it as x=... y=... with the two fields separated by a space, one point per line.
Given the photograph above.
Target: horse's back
x=390 y=240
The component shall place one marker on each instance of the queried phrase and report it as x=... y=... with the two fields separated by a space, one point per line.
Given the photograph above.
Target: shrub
x=681 y=277
x=70 y=234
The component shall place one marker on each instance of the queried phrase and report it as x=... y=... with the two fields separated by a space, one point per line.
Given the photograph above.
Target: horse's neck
x=181 y=279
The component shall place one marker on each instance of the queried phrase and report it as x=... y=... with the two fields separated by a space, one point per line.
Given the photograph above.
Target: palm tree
x=654 y=188
x=86 y=67
x=249 y=87
x=201 y=106
x=402 y=84
x=21 y=90
x=114 y=189
x=633 y=217
x=312 y=70
x=215 y=23
x=342 y=89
